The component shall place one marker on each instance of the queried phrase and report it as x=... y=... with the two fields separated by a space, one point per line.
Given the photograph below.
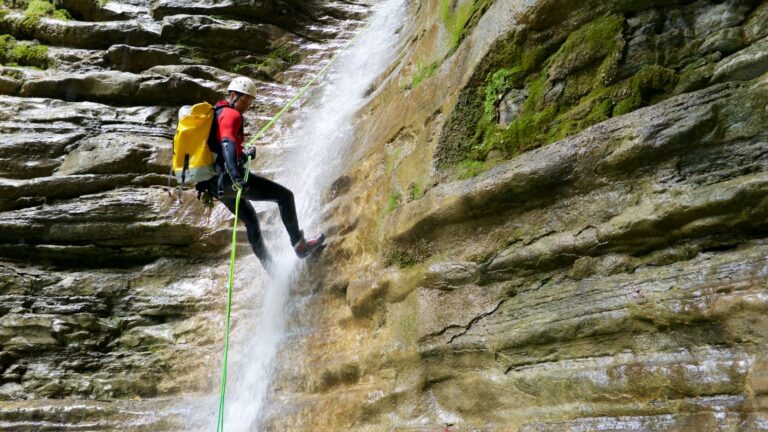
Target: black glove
x=239 y=183
x=250 y=152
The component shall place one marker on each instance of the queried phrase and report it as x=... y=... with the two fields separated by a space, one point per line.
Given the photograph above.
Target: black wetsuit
x=227 y=143
x=259 y=189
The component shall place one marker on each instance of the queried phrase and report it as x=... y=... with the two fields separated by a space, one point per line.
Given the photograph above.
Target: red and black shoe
x=304 y=248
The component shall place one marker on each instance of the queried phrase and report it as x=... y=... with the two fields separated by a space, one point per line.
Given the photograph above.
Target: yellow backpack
x=193 y=160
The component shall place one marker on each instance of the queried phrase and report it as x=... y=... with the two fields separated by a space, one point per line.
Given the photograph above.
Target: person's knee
x=286 y=196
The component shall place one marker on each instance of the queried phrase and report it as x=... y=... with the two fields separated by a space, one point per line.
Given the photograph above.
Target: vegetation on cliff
x=540 y=85
x=15 y=53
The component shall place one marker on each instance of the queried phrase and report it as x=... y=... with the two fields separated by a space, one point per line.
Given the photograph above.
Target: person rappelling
x=220 y=169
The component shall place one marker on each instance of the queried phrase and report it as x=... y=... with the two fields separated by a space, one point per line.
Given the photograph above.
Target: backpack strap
x=213 y=143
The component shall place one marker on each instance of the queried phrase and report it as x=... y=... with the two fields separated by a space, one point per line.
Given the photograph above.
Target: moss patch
x=415 y=192
x=393 y=202
x=280 y=58
x=422 y=73
x=15 y=53
x=404 y=256
x=571 y=84
x=458 y=15
x=37 y=9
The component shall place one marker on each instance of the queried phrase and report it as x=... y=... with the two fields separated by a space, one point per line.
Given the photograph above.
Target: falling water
x=314 y=148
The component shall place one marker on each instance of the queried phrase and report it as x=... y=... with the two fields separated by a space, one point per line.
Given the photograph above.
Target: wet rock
x=755 y=28
x=97 y=87
x=79 y=34
x=176 y=90
x=449 y=276
x=90 y=10
x=115 y=154
x=339 y=187
x=125 y=88
x=14 y=373
x=9 y=85
x=208 y=32
x=642 y=31
x=744 y=65
x=585 y=267
x=510 y=106
x=718 y=17
x=725 y=41
x=136 y=59
x=11 y=391
x=147 y=336
x=361 y=295
x=286 y=14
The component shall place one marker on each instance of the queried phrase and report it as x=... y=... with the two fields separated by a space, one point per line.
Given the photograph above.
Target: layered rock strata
x=555 y=220
x=111 y=290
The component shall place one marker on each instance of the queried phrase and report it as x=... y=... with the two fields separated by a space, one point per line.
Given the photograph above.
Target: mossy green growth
x=37 y=9
x=498 y=84
x=456 y=15
x=16 y=53
x=470 y=168
x=279 y=59
x=61 y=14
x=643 y=86
x=423 y=72
x=407 y=256
x=598 y=40
x=393 y=201
x=415 y=192
x=570 y=87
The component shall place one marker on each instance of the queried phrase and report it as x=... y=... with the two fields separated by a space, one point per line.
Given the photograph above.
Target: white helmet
x=243 y=85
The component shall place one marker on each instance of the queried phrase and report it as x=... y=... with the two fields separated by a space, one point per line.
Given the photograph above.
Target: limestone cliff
x=111 y=291
x=554 y=218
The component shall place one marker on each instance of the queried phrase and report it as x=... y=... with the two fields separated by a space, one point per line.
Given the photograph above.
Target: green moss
x=457 y=15
x=422 y=73
x=498 y=84
x=32 y=54
x=564 y=96
x=470 y=168
x=61 y=14
x=415 y=192
x=279 y=59
x=408 y=256
x=599 y=39
x=393 y=201
x=644 y=86
x=37 y=9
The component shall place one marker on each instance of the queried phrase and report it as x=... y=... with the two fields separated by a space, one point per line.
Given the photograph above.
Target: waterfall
x=314 y=149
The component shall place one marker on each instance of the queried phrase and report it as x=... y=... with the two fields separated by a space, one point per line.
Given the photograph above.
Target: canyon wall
x=553 y=218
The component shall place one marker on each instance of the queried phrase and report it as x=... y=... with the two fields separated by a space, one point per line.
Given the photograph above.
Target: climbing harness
x=259 y=134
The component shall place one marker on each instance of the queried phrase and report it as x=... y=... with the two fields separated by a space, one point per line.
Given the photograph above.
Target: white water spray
x=318 y=142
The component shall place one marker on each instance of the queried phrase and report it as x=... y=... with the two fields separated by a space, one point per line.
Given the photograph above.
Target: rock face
x=554 y=219
x=562 y=227
x=111 y=289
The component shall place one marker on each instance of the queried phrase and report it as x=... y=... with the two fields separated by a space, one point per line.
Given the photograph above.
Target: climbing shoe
x=304 y=248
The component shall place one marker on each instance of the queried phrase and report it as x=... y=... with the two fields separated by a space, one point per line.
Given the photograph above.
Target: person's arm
x=229 y=125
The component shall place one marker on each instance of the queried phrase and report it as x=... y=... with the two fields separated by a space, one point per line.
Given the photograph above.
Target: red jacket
x=230 y=126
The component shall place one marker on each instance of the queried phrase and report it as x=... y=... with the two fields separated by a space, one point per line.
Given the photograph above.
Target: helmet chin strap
x=233 y=101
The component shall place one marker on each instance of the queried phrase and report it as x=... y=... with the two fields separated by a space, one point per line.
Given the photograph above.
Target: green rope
x=259 y=134
x=220 y=423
